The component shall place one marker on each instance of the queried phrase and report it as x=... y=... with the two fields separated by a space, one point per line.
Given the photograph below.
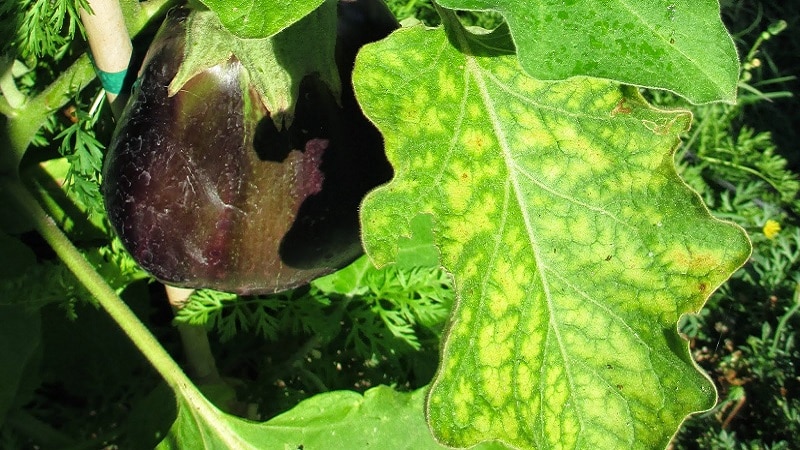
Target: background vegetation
x=89 y=388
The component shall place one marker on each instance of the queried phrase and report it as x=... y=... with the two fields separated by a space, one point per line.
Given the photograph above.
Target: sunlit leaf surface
x=382 y=418
x=573 y=243
x=680 y=45
x=260 y=18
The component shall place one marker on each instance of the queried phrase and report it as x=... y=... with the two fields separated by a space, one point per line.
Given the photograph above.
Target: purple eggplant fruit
x=209 y=188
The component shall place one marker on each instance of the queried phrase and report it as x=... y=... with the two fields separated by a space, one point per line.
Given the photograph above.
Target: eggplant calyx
x=275 y=65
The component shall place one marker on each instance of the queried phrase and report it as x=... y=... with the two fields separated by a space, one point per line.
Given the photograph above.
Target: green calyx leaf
x=272 y=66
x=260 y=18
x=678 y=45
x=574 y=245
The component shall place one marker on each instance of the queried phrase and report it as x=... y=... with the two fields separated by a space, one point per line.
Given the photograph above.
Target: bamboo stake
x=110 y=45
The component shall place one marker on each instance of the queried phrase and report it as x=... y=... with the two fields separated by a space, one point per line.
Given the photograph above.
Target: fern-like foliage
x=37 y=28
x=745 y=337
x=84 y=152
x=379 y=311
x=395 y=301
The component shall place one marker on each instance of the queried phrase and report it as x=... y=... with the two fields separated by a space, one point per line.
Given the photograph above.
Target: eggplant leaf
x=679 y=45
x=574 y=245
x=381 y=418
x=255 y=19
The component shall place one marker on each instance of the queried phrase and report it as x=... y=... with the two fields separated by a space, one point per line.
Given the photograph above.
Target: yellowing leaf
x=574 y=245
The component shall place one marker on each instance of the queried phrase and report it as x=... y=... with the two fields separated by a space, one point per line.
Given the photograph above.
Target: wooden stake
x=110 y=45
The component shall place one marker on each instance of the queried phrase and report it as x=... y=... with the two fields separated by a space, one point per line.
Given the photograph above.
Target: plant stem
x=742 y=168
x=97 y=286
x=23 y=126
x=194 y=338
x=782 y=323
x=8 y=87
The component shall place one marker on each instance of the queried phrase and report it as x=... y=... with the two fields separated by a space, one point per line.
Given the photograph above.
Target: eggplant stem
x=199 y=359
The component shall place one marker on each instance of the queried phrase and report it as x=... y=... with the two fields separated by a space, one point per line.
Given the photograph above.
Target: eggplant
x=211 y=185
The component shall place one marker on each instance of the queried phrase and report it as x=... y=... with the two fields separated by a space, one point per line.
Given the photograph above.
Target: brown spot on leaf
x=621 y=108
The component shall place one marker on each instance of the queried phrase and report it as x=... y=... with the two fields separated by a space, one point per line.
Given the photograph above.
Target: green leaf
x=418 y=250
x=574 y=245
x=679 y=45
x=381 y=418
x=255 y=19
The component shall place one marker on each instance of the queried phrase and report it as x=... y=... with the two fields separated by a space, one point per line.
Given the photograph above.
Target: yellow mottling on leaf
x=475 y=110
x=506 y=279
x=483 y=216
x=527 y=84
x=565 y=131
x=476 y=141
x=471 y=266
x=534 y=138
x=629 y=183
x=425 y=162
x=409 y=113
x=495 y=384
x=515 y=242
x=690 y=262
x=558 y=264
x=533 y=341
x=504 y=72
x=510 y=424
x=433 y=122
x=553 y=171
x=571 y=427
x=447 y=85
x=587 y=153
x=483 y=424
x=554 y=382
x=611 y=98
x=463 y=400
x=498 y=305
x=500 y=332
x=582 y=231
x=524 y=381
x=458 y=192
x=393 y=60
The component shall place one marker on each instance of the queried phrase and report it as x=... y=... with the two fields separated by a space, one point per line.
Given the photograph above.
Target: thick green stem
x=22 y=126
x=199 y=359
x=11 y=95
x=186 y=393
x=97 y=286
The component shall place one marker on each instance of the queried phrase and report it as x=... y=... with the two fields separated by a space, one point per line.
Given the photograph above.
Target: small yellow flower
x=771 y=229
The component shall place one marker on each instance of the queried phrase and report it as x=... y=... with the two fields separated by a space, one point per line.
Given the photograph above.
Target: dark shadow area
x=326 y=229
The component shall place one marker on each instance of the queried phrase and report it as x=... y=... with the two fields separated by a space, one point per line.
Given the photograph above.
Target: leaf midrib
x=473 y=67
